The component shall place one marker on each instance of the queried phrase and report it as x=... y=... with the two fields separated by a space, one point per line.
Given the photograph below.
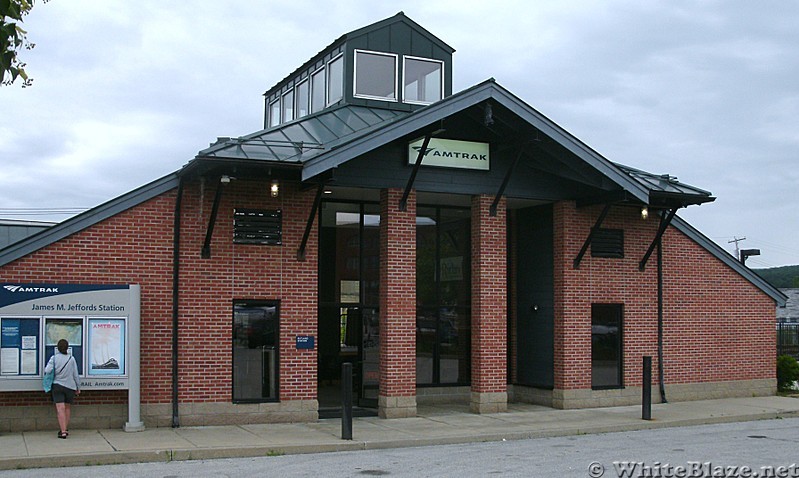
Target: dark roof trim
x=488 y=89
x=730 y=261
x=89 y=218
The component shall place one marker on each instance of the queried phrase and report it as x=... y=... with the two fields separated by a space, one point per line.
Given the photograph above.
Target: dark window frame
x=618 y=309
x=255 y=303
x=438 y=305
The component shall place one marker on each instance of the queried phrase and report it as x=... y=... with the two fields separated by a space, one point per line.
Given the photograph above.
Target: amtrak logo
x=19 y=288
x=451 y=154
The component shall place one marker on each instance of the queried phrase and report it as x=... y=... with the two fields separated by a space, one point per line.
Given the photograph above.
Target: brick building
x=453 y=247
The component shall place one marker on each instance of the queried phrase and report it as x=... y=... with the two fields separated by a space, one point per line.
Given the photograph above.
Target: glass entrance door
x=349 y=250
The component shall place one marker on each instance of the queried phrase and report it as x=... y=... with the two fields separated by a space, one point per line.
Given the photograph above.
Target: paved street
x=754 y=444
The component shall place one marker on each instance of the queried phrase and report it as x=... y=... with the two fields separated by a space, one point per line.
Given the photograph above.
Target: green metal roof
x=664 y=185
x=301 y=140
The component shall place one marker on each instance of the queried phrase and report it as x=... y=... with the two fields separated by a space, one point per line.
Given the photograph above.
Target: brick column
x=397 y=396
x=489 y=307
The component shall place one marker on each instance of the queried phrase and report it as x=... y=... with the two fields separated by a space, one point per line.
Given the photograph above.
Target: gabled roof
x=325 y=140
x=320 y=142
x=398 y=18
x=487 y=90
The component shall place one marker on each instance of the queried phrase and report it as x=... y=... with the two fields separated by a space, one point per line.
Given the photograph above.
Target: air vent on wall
x=608 y=243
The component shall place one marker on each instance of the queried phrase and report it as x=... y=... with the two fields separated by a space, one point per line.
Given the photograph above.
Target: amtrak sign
x=450 y=153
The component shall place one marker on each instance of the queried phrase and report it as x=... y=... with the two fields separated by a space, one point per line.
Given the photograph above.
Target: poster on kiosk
x=94 y=318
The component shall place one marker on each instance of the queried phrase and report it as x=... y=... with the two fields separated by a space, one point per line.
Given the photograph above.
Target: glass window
x=349 y=280
x=302 y=99
x=256 y=330
x=318 y=90
x=288 y=106
x=274 y=113
x=606 y=346
x=376 y=75
x=422 y=80
x=443 y=295
x=335 y=80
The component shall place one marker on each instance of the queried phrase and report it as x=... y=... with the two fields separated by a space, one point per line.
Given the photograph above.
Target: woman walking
x=65 y=384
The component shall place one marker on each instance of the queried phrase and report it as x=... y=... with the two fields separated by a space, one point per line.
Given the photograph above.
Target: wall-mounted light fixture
x=644 y=213
x=224 y=179
x=274 y=189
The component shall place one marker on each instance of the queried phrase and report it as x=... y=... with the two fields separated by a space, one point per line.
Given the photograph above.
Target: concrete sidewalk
x=446 y=424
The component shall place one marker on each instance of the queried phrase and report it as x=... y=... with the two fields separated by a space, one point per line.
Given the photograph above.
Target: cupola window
x=335 y=80
x=375 y=75
x=318 y=90
x=422 y=80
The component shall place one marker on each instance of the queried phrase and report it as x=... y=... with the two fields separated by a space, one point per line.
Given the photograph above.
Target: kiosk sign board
x=93 y=318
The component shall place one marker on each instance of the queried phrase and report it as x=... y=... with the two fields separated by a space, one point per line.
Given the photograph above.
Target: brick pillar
x=397 y=396
x=572 y=354
x=489 y=307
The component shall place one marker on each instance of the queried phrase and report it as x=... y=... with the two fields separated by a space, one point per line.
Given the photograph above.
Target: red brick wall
x=717 y=325
x=397 y=295
x=111 y=252
x=238 y=271
x=135 y=246
x=489 y=297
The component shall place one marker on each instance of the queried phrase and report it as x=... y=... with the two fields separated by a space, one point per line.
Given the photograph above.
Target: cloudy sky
x=707 y=91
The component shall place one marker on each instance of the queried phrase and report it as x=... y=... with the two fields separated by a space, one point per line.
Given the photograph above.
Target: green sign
x=450 y=153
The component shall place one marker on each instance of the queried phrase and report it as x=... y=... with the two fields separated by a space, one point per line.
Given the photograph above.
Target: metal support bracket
x=576 y=263
x=206 y=251
x=317 y=199
x=403 y=205
x=493 y=210
x=664 y=223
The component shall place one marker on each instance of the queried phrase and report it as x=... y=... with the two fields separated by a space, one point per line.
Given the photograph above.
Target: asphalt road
x=700 y=451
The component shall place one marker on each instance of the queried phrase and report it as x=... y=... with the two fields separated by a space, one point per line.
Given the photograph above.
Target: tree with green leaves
x=13 y=39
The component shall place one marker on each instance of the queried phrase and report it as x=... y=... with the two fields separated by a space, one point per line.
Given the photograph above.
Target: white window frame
x=327 y=79
x=323 y=72
x=419 y=58
x=277 y=100
x=355 y=76
x=297 y=98
x=283 y=105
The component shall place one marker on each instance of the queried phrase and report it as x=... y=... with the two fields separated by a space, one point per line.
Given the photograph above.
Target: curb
x=185 y=454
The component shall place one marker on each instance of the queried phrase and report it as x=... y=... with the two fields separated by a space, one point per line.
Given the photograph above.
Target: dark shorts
x=62 y=394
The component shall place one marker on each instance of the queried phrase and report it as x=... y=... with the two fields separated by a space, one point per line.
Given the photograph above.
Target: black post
x=346 y=401
x=646 y=405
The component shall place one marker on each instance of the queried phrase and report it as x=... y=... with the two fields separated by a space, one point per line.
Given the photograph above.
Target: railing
x=788 y=339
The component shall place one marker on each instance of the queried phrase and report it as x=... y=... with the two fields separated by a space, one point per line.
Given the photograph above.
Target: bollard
x=346 y=401
x=646 y=405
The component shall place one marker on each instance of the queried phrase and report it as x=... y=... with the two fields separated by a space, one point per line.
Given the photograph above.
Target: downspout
x=661 y=384
x=175 y=295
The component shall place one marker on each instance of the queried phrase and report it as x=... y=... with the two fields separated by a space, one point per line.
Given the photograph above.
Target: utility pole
x=736 y=240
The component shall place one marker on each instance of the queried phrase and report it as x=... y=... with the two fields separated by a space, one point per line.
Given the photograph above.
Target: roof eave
x=88 y=218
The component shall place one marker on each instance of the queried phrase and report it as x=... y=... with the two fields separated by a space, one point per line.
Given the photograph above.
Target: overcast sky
x=708 y=91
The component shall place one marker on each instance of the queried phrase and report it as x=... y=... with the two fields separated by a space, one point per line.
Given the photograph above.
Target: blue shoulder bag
x=47 y=378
